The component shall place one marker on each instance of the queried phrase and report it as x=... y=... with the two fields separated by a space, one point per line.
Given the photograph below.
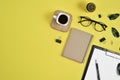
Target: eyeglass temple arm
x=104 y=27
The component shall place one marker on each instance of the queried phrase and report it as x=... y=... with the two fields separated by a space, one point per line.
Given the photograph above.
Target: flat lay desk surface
x=28 y=50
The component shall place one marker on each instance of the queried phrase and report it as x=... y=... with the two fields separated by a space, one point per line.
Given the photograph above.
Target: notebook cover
x=77 y=45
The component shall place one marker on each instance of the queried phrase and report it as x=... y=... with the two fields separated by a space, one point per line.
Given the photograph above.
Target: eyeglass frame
x=104 y=26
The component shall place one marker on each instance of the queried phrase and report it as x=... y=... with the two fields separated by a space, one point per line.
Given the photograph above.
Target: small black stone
x=102 y=39
x=58 y=40
x=99 y=15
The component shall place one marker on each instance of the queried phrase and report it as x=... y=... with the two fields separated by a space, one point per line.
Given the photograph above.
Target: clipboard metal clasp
x=113 y=55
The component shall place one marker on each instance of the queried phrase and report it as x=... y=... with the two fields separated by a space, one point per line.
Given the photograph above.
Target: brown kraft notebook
x=77 y=45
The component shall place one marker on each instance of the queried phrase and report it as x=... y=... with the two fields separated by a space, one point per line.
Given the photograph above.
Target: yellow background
x=28 y=50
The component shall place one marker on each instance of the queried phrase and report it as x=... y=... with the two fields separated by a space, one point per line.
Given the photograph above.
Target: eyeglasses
x=98 y=26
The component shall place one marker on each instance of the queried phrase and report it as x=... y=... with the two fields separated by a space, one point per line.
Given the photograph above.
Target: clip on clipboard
x=104 y=68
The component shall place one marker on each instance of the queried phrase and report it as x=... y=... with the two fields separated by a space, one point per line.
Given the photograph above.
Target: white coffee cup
x=62 y=19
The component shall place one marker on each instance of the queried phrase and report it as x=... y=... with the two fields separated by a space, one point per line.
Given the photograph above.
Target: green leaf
x=115 y=32
x=113 y=16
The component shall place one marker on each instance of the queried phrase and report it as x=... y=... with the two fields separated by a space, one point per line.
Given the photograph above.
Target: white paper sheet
x=107 y=62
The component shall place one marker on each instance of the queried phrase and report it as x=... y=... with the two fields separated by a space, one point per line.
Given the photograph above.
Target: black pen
x=97 y=69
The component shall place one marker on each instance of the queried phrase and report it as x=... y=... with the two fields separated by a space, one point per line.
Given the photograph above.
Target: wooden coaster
x=59 y=27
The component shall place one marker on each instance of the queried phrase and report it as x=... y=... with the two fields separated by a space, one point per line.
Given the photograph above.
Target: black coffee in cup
x=63 y=19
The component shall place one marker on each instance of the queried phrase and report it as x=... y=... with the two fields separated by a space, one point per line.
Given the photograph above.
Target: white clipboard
x=107 y=62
